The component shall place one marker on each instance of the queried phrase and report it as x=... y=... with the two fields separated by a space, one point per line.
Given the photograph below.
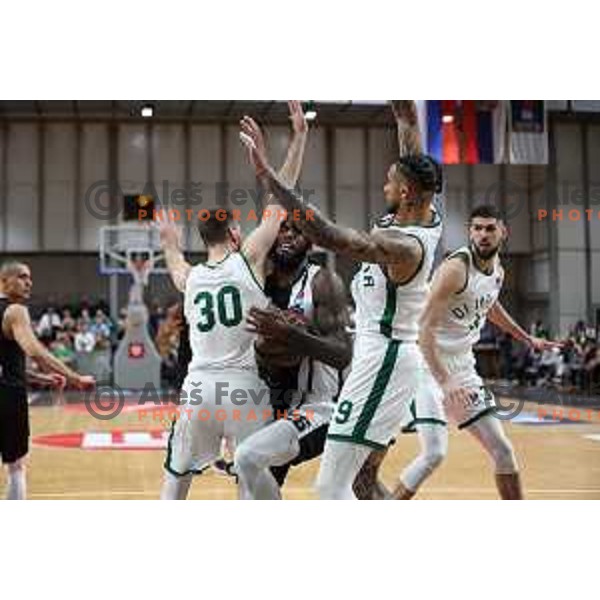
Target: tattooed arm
x=259 y=242
x=402 y=251
x=383 y=246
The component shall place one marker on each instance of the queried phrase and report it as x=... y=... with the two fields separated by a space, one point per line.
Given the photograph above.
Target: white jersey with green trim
x=389 y=309
x=467 y=309
x=319 y=381
x=218 y=297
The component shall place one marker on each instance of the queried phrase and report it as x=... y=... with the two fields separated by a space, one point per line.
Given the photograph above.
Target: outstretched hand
x=57 y=381
x=252 y=138
x=299 y=122
x=541 y=344
x=84 y=382
x=405 y=110
x=170 y=234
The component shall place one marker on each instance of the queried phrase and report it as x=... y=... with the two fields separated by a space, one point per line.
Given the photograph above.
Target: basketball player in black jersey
x=17 y=340
x=285 y=340
x=306 y=325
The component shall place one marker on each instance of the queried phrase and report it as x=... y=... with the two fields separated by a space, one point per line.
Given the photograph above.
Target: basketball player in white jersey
x=389 y=292
x=304 y=347
x=464 y=293
x=223 y=395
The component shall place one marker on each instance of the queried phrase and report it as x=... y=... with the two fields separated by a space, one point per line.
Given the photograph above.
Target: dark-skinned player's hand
x=273 y=324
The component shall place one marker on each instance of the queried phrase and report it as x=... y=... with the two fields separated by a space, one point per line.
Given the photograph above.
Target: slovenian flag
x=464 y=131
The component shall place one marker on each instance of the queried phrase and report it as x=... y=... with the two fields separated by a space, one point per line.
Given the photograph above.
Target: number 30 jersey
x=218 y=297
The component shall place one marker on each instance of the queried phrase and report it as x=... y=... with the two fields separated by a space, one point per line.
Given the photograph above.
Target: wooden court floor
x=557 y=462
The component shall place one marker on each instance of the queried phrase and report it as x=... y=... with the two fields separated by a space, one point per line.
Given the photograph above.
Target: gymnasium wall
x=48 y=168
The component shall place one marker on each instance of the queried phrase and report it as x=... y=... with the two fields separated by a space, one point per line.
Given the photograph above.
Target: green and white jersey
x=217 y=300
x=389 y=309
x=467 y=310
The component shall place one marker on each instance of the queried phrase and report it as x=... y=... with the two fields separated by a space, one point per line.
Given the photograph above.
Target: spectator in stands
x=167 y=342
x=550 y=366
x=85 y=340
x=84 y=317
x=61 y=348
x=68 y=322
x=101 y=328
x=538 y=329
x=527 y=365
x=48 y=325
x=573 y=362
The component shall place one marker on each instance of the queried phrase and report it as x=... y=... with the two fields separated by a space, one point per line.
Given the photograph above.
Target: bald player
x=17 y=340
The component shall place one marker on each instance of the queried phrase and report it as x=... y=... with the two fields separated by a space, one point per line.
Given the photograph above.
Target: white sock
x=433 y=439
x=17 y=485
x=340 y=464
x=175 y=488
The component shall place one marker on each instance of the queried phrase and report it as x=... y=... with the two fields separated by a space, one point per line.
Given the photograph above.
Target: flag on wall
x=528 y=132
x=464 y=131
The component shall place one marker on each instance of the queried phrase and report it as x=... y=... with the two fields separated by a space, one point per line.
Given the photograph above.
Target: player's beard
x=288 y=261
x=486 y=254
x=392 y=207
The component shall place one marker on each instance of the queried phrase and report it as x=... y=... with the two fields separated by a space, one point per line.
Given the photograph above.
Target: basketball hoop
x=140 y=268
x=121 y=245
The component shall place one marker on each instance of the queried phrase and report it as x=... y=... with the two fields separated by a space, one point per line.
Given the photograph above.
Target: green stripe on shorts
x=376 y=395
x=389 y=311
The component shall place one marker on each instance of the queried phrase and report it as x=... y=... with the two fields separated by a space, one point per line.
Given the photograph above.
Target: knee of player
x=17 y=466
x=244 y=457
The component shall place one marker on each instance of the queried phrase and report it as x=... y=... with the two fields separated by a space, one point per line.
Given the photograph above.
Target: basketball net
x=140 y=269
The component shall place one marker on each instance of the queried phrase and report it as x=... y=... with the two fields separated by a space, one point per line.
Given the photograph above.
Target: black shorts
x=311 y=446
x=14 y=424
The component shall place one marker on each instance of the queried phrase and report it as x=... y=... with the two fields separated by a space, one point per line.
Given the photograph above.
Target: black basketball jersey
x=12 y=357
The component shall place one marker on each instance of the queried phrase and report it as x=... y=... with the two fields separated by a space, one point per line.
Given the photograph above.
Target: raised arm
x=500 y=317
x=384 y=247
x=259 y=242
x=290 y=171
x=407 y=122
x=170 y=241
x=18 y=324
